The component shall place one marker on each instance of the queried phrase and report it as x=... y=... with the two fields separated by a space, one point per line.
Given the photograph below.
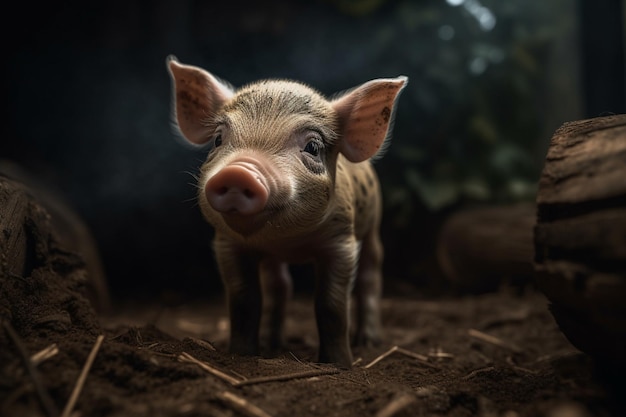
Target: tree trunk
x=580 y=235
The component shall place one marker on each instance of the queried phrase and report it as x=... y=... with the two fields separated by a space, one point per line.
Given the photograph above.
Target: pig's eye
x=313 y=148
x=312 y=151
x=218 y=140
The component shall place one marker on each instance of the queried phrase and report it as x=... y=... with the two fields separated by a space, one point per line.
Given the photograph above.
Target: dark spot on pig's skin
x=327 y=194
x=186 y=100
x=386 y=113
x=184 y=108
x=363 y=189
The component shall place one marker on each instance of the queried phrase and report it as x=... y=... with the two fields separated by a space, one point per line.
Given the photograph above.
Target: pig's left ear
x=366 y=115
x=197 y=95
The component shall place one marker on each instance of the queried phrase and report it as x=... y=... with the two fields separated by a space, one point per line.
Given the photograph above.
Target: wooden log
x=36 y=224
x=580 y=235
x=480 y=248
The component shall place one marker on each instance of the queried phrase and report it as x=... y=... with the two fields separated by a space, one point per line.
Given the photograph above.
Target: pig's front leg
x=239 y=272
x=336 y=271
x=277 y=290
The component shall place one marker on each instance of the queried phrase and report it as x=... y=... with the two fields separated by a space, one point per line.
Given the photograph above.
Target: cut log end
x=580 y=235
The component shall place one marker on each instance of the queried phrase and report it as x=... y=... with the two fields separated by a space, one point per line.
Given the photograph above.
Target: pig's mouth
x=245 y=224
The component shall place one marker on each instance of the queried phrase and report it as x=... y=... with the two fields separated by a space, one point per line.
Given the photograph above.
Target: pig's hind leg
x=368 y=289
x=277 y=290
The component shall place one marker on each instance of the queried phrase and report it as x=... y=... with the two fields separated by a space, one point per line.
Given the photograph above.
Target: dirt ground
x=497 y=354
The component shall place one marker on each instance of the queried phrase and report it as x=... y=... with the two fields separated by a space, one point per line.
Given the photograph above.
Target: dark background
x=87 y=101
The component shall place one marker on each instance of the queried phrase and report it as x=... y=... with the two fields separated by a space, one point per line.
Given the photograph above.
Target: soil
x=445 y=366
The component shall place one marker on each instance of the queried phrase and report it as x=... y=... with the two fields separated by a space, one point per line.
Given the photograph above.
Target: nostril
x=223 y=190
x=237 y=188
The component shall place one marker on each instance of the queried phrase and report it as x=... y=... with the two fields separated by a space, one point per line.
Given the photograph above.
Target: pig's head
x=273 y=146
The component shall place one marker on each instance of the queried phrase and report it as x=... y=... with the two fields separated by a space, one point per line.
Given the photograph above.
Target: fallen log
x=580 y=235
x=481 y=248
x=38 y=229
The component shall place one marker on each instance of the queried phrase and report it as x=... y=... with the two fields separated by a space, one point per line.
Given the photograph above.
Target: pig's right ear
x=197 y=95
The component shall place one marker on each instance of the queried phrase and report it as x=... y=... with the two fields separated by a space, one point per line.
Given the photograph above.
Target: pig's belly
x=301 y=250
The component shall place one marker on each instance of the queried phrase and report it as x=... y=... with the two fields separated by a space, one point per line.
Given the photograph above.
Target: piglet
x=288 y=180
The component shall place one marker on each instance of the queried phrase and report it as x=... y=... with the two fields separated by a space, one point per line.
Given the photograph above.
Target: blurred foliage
x=472 y=123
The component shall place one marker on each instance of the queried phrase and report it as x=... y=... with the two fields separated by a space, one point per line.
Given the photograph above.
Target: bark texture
x=580 y=235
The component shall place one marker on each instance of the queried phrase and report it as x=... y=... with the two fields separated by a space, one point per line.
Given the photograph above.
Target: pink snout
x=238 y=188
